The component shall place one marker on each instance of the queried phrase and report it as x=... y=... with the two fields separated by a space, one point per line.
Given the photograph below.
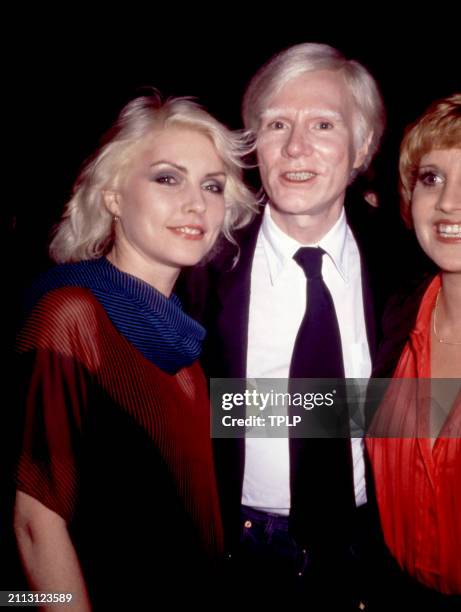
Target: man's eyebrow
x=325 y=112
x=286 y=110
x=278 y=112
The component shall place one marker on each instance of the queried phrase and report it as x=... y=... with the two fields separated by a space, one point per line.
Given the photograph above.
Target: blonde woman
x=116 y=500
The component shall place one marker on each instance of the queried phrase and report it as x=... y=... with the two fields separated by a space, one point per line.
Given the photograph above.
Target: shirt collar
x=279 y=248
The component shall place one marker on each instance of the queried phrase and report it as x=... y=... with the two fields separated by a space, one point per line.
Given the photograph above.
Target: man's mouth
x=299 y=176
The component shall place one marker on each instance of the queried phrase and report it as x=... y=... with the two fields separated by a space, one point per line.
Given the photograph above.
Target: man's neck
x=305 y=228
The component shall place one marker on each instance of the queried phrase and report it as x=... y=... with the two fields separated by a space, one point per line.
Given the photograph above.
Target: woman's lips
x=448 y=232
x=189 y=232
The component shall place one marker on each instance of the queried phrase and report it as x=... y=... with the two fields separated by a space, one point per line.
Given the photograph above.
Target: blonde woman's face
x=436 y=207
x=170 y=203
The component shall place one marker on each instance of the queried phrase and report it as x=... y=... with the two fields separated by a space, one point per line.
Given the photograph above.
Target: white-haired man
x=292 y=509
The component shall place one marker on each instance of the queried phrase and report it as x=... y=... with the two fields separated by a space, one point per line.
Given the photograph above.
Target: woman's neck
x=449 y=307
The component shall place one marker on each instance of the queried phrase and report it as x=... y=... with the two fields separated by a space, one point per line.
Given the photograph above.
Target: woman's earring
x=116 y=218
x=261 y=196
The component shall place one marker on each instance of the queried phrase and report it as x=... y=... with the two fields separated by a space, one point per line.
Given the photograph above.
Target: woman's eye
x=214 y=187
x=429 y=178
x=166 y=179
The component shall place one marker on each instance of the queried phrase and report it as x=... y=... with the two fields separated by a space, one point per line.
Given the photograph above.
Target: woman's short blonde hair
x=86 y=228
x=438 y=128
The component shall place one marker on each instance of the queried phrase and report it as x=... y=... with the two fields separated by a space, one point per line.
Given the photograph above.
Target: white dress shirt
x=277 y=307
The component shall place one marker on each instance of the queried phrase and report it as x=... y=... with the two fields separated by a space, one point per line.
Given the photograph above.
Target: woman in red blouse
x=415 y=437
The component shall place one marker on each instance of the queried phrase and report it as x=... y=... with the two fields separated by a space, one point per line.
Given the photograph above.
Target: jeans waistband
x=262 y=516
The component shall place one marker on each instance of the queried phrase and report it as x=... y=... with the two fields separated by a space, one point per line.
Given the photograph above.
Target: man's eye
x=429 y=178
x=276 y=125
x=324 y=125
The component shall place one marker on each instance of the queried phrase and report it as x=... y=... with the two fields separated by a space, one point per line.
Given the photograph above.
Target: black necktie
x=320 y=468
x=317 y=350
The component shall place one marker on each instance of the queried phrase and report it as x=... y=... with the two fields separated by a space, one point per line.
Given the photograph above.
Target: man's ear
x=112 y=201
x=362 y=151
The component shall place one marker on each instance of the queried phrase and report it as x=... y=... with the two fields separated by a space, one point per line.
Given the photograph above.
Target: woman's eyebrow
x=164 y=161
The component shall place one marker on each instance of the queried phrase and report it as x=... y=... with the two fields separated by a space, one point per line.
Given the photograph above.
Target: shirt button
x=248 y=524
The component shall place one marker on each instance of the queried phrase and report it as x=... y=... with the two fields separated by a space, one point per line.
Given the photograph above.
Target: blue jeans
x=265 y=540
x=269 y=566
x=268 y=558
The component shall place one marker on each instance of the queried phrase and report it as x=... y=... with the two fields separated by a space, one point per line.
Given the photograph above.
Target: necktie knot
x=310 y=260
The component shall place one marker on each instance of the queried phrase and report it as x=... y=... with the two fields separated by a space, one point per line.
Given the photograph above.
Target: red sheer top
x=120 y=449
x=418 y=486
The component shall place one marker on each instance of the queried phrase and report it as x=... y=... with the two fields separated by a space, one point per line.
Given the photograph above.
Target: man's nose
x=298 y=142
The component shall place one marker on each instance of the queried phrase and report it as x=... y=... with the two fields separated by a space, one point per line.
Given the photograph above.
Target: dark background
x=71 y=83
x=68 y=77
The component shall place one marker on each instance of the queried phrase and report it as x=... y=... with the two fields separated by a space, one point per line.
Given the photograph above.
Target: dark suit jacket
x=218 y=296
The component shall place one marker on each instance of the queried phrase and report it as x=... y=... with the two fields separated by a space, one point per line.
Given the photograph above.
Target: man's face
x=306 y=151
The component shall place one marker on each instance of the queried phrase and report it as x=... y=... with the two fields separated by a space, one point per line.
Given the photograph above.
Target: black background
x=72 y=80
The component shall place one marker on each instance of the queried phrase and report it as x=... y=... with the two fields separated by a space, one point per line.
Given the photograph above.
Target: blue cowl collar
x=156 y=325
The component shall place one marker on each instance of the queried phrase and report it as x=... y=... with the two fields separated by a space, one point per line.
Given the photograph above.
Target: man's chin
x=298 y=206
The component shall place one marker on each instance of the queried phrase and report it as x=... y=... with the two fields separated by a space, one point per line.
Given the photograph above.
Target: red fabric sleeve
x=53 y=397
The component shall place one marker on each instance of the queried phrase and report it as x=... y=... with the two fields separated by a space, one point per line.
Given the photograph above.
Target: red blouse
x=418 y=486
